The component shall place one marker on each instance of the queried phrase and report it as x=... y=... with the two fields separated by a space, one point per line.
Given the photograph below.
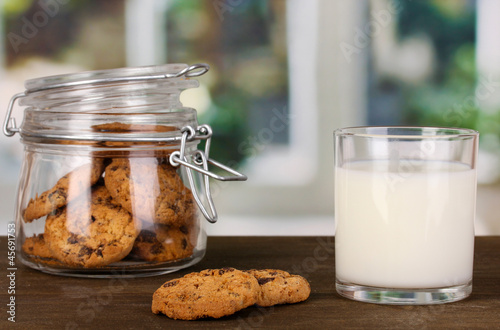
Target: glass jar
x=112 y=182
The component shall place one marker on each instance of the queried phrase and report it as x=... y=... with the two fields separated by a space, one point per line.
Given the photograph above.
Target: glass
x=404 y=209
x=107 y=186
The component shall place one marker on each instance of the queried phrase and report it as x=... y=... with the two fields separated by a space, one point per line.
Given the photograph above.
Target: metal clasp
x=9 y=124
x=194 y=70
x=200 y=164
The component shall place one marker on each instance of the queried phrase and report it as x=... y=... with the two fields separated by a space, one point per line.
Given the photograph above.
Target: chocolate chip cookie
x=280 y=287
x=37 y=250
x=209 y=293
x=91 y=231
x=150 y=191
x=67 y=188
x=164 y=243
x=36 y=246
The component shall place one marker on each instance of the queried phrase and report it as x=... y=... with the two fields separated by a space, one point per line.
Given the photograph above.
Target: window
x=284 y=75
x=260 y=96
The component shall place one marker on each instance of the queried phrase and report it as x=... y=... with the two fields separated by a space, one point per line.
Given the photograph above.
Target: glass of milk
x=405 y=201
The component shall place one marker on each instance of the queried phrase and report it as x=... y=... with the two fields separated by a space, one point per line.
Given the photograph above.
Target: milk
x=404 y=226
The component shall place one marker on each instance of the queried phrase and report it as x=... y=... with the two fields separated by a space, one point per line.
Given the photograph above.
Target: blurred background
x=284 y=74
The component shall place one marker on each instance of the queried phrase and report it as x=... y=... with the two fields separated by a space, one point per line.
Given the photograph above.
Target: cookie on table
x=150 y=191
x=67 y=188
x=280 y=287
x=164 y=243
x=91 y=231
x=209 y=293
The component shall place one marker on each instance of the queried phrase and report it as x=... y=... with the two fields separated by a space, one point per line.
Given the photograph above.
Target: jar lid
x=72 y=106
x=143 y=73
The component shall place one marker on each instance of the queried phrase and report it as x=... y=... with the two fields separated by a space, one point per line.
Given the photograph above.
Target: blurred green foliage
x=450 y=102
x=227 y=118
x=244 y=43
x=449 y=24
x=449 y=99
x=14 y=7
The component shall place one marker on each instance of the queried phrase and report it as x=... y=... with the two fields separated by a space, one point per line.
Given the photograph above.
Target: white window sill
x=266 y=225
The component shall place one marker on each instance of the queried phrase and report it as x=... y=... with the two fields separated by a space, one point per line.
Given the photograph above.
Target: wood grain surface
x=53 y=302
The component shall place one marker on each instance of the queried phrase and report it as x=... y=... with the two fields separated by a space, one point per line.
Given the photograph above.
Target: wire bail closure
x=9 y=124
x=200 y=164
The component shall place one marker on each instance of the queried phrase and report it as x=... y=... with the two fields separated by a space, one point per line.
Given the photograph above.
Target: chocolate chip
x=170 y=283
x=225 y=270
x=156 y=248
x=61 y=192
x=85 y=251
x=184 y=230
x=265 y=280
x=73 y=239
x=184 y=244
x=175 y=208
x=92 y=218
x=57 y=212
x=147 y=236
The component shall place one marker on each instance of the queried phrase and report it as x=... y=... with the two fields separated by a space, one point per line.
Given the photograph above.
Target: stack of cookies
x=219 y=292
x=114 y=208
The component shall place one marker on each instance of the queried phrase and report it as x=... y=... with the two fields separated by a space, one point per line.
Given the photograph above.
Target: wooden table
x=52 y=302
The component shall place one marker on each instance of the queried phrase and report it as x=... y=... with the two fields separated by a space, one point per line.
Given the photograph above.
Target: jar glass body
x=98 y=196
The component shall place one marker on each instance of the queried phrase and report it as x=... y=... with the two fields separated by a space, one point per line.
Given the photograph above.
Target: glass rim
x=405 y=132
